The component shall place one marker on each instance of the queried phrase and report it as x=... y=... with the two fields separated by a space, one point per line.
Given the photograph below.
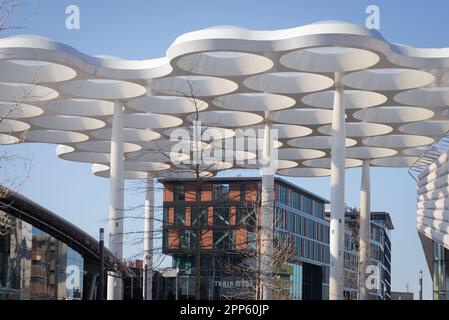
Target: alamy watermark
x=372 y=21
x=72 y=21
x=373 y=277
x=73 y=277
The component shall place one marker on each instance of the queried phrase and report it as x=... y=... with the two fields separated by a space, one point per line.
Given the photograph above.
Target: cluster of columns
x=337 y=214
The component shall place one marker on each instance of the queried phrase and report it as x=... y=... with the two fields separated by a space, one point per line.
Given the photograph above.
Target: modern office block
x=228 y=217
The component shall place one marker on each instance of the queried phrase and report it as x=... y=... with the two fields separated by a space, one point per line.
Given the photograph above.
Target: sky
x=145 y=29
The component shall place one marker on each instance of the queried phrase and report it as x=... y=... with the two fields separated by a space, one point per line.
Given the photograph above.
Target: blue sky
x=144 y=29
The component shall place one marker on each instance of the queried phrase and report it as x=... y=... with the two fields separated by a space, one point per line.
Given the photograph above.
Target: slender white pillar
x=116 y=200
x=267 y=208
x=364 y=230
x=148 y=239
x=337 y=216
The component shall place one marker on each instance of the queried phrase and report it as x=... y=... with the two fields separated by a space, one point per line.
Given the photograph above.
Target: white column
x=267 y=208
x=337 y=223
x=148 y=239
x=116 y=200
x=364 y=231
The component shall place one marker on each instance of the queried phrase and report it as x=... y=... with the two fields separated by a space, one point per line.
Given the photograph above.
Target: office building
x=380 y=255
x=229 y=225
x=227 y=215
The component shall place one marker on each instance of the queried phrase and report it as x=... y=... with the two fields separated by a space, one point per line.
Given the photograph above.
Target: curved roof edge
x=23 y=208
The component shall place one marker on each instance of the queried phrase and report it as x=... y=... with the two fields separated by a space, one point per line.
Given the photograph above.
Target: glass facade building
x=440 y=272
x=380 y=255
x=44 y=257
x=35 y=265
x=300 y=216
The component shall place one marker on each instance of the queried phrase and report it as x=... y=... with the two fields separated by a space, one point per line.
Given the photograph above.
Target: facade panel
x=432 y=222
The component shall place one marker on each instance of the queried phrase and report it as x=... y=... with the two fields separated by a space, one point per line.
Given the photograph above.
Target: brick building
x=221 y=218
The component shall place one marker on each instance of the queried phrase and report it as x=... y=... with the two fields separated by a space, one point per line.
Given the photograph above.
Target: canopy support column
x=364 y=230
x=337 y=214
x=148 y=239
x=116 y=201
x=267 y=208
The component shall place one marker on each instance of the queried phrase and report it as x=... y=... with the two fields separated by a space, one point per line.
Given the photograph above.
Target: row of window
x=226 y=240
x=245 y=216
x=221 y=239
x=220 y=192
x=299 y=201
x=301 y=225
x=307 y=249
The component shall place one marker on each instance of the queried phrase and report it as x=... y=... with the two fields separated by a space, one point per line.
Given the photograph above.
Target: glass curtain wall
x=35 y=265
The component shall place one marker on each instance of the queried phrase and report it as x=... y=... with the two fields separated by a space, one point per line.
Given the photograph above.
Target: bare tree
x=196 y=166
x=201 y=169
x=9 y=9
x=250 y=269
x=9 y=111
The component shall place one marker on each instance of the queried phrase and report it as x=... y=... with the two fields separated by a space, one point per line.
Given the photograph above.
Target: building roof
x=23 y=208
x=376 y=215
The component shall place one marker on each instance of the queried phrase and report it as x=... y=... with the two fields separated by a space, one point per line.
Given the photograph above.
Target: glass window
x=179 y=193
x=203 y=216
x=307 y=205
x=221 y=216
x=187 y=239
x=319 y=210
x=180 y=216
x=251 y=241
x=242 y=214
x=221 y=192
x=224 y=240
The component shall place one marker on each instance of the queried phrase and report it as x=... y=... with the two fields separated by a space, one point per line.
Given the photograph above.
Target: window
x=307 y=205
x=251 y=217
x=221 y=216
x=180 y=216
x=202 y=216
x=221 y=192
x=179 y=193
x=319 y=210
x=282 y=195
x=224 y=240
x=251 y=241
x=187 y=239
x=185 y=265
x=296 y=200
